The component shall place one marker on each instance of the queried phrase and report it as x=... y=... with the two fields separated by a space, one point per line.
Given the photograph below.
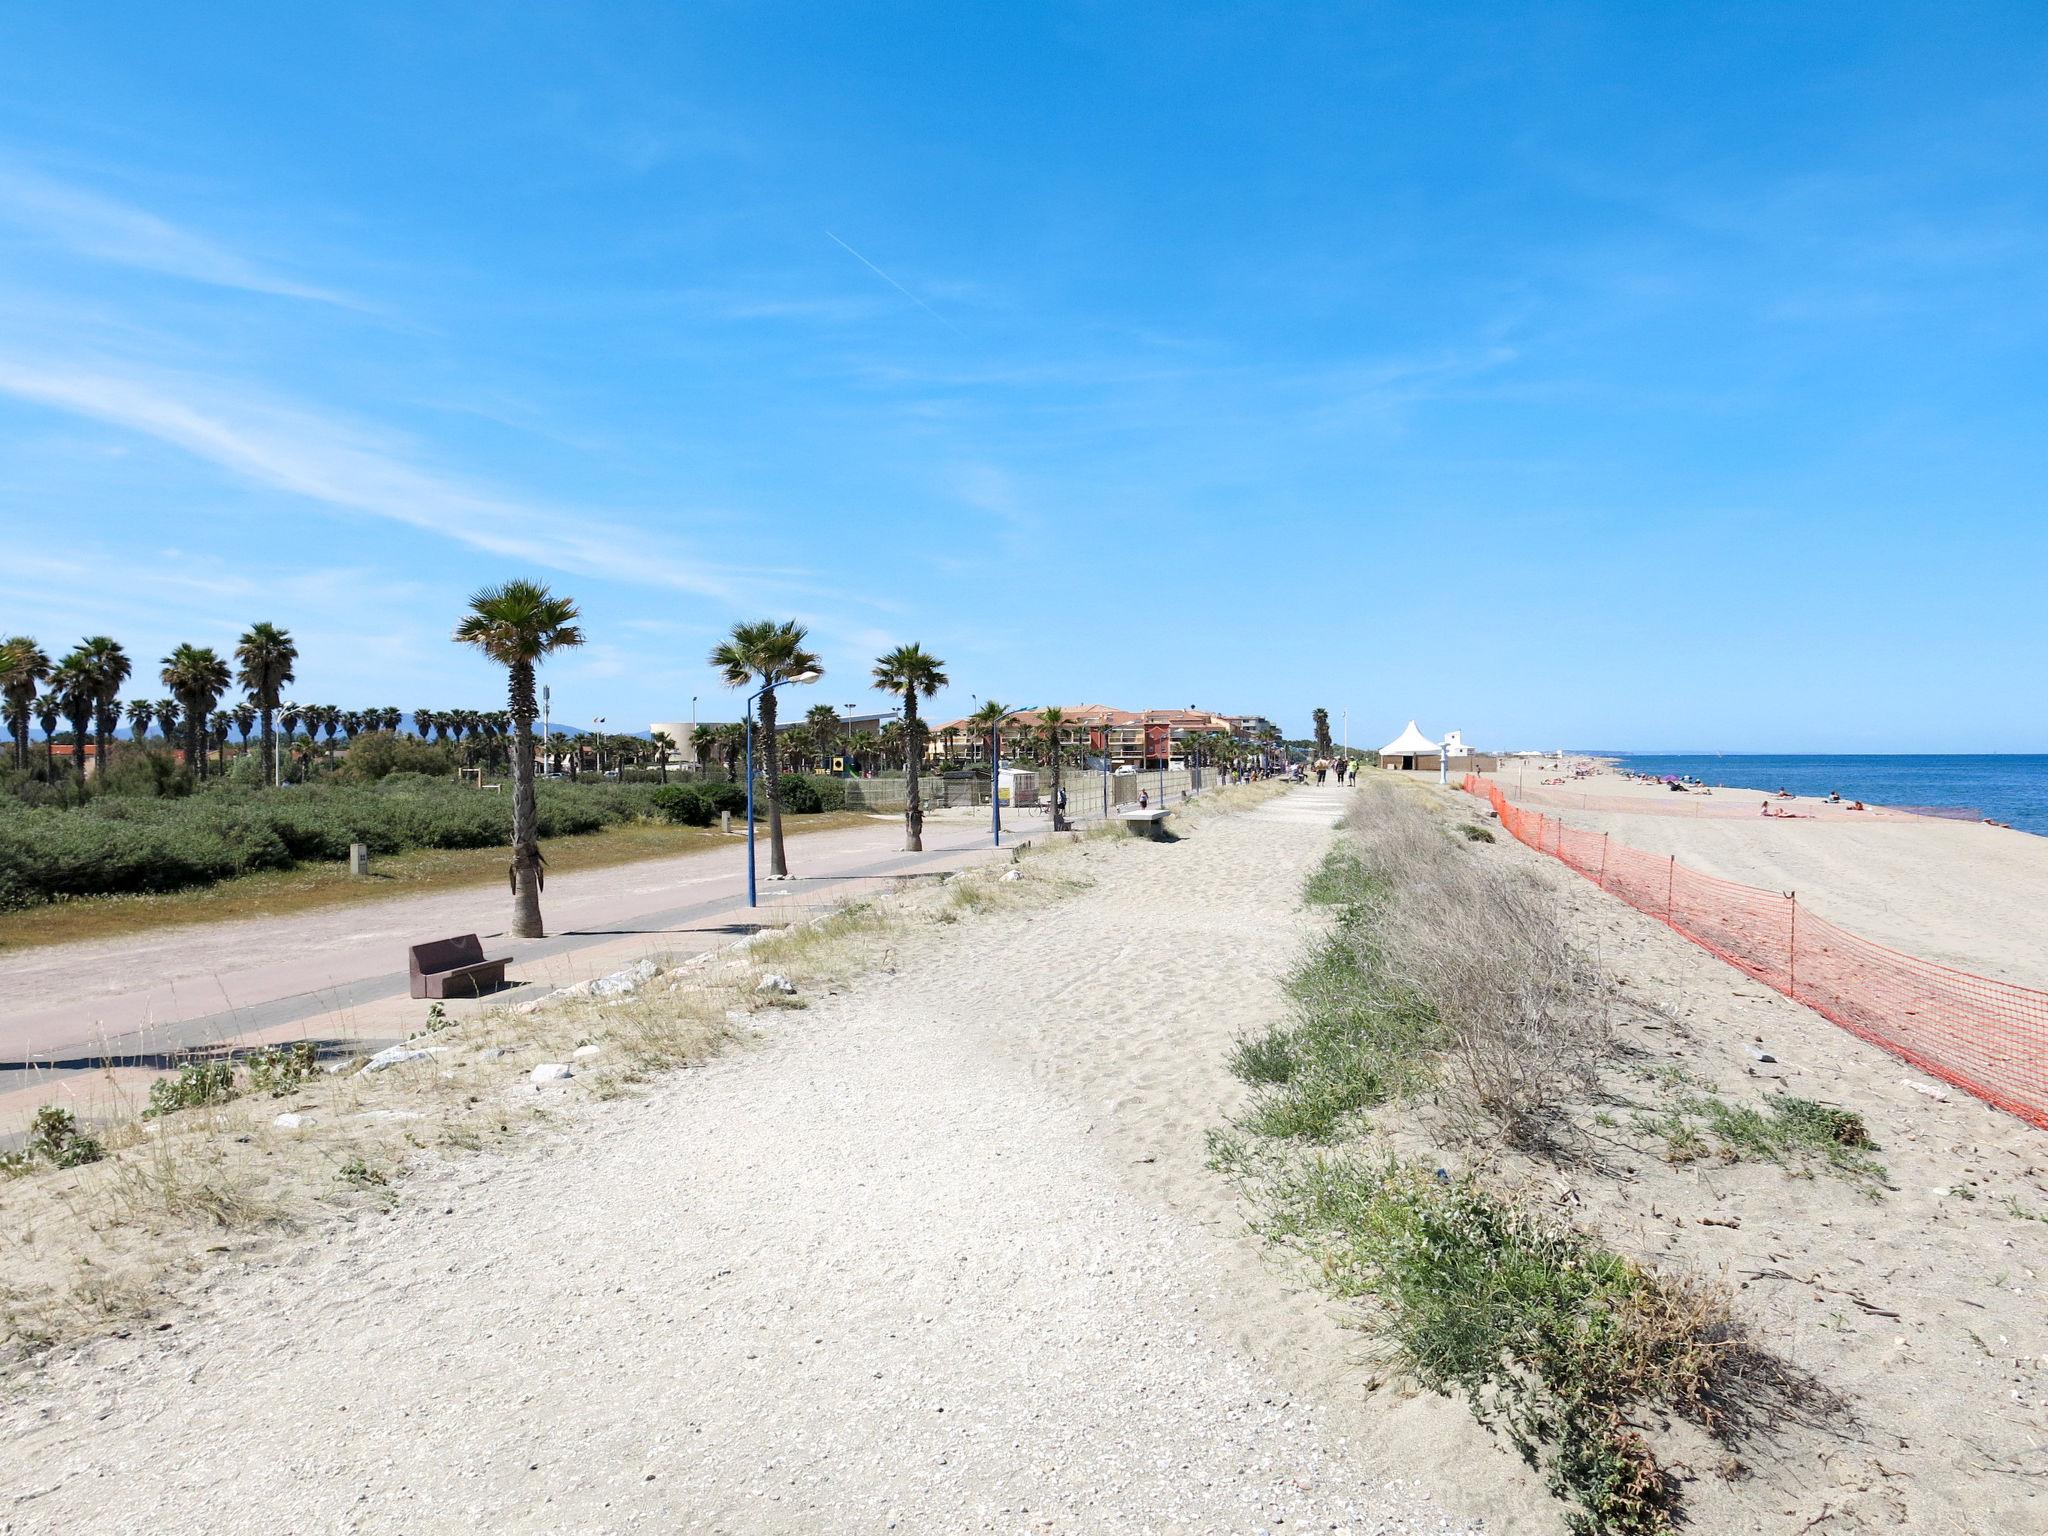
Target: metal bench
x=454 y=968
x=1146 y=823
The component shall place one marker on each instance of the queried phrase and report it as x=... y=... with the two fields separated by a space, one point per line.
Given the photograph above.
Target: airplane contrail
x=885 y=277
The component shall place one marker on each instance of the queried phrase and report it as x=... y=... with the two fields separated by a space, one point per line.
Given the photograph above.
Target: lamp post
x=802 y=677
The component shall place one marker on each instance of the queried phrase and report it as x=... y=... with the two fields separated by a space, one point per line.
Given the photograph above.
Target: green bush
x=376 y=755
x=115 y=845
x=830 y=790
x=1550 y=1337
x=683 y=805
x=725 y=797
x=279 y=1072
x=799 y=797
x=198 y=1083
x=148 y=775
x=54 y=1138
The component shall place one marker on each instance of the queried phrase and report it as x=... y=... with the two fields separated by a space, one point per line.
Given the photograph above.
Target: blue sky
x=1652 y=377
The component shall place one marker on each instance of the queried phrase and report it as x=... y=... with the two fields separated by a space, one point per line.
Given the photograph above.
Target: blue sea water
x=2007 y=787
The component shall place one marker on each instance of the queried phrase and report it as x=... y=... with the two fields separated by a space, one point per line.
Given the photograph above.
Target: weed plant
x=1552 y=1339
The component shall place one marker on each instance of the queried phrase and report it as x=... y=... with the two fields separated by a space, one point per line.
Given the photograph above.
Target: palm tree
x=24 y=666
x=990 y=718
x=704 y=744
x=77 y=690
x=140 y=713
x=288 y=716
x=913 y=673
x=168 y=713
x=518 y=625
x=1052 y=722
x=1321 y=717
x=329 y=721
x=107 y=664
x=266 y=656
x=49 y=709
x=732 y=747
x=197 y=675
x=825 y=726
x=422 y=722
x=663 y=744
x=245 y=716
x=774 y=654
x=218 y=724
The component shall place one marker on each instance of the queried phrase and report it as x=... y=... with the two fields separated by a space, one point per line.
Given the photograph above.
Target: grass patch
x=1356 y=1040
x=1552 y=1340
x=1793 y=1131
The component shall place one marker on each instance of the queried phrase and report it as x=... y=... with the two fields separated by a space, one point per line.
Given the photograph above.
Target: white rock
x=288 y=1122
x=551 y=1072
x=618 y=983
x=1932 y=1092
x=392 y=1056
x=531 y=1007
x=1012 y=874
x=584 y=1050
x=774 y=983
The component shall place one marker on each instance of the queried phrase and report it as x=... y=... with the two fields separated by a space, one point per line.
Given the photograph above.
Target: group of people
x=1344 y=772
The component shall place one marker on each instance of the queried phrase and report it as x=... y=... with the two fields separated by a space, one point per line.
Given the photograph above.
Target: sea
x=2007 y=787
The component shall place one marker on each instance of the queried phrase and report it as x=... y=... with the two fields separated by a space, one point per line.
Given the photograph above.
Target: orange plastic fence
x=1987 y=1037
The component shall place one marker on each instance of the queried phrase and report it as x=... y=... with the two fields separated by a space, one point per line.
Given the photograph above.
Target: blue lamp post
x=801 y=677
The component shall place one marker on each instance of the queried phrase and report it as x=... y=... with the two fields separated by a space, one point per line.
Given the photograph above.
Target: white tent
x=1407 y=744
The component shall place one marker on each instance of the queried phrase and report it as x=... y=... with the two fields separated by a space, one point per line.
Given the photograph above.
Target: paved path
x=939 y=1254
x=115 y=1012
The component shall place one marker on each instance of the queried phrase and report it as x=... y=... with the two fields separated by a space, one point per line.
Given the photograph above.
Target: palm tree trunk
x=778 y=862
x=270 y=775
x=526 y=866
x=913 y=805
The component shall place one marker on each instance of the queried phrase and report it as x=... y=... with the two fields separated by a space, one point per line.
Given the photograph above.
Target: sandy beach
x=1961 y=893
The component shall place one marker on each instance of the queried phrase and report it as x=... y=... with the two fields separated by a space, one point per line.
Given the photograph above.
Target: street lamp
x=808 y=675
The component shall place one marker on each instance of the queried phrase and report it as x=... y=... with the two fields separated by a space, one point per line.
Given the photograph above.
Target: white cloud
x=88 y=224
x=339 y=466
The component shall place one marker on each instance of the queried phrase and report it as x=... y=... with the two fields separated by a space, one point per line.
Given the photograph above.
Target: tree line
x=517 y=624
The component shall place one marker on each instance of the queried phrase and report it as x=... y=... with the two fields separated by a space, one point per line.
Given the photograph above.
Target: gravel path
x=905 y=1264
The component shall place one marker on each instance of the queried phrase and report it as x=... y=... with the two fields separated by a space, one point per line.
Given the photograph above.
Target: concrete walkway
x=102 y=1018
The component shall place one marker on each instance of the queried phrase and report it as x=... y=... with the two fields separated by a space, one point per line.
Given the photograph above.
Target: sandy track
x=938 y=1255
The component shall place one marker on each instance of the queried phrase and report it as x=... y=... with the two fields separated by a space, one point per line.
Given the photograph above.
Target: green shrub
x=197 y=1084
x=139 y=844
x=798 y=795
x=725 y=797
x=149 y=775
x=683 y=805
x=53 y=1138
x=1549 y=1337
x=376 y=755
x=279 y=1072
x=830 y=790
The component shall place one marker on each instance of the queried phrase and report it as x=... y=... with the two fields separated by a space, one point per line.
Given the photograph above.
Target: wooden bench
x=1146 y=823
x=454 y=968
